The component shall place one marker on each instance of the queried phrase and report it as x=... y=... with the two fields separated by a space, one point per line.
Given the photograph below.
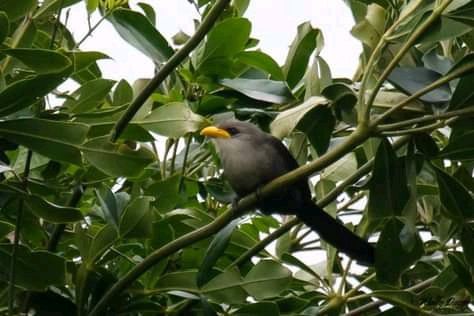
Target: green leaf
x=458 y=203
x=13 y=98
x=288 y=120
x=117 y=159
x=4 y=26
x=226 y=287
x=226 y=38
x=149 y=11
x=263 y=62
x=267 y=279
x=460 y=146
x=51 y=212
x=172 y=120
x=260 y=89
x=392 y=257
x=467 y=242
x=101 y=242
x=17 y=9
x=461 y=268
x=6 y=228
x=262 y=308
x=300 y=51
x=53 y=139
x=388 y=185
x=137 y=30
x=108 y=204
x=123 y=93
x=136 y=220
x=182 y=280
x=443 y=29
x=42 y=61
x=215 y=250
x=411 y=80
x=89 y=96
x=35 y=270
x=83 y=60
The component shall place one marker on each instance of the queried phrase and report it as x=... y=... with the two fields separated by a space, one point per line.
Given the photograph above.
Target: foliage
x=94 y=221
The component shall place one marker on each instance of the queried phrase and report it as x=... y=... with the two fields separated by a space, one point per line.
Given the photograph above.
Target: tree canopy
x=95 y=220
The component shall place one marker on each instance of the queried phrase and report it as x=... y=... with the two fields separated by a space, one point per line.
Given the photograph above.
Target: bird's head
x=231 y=130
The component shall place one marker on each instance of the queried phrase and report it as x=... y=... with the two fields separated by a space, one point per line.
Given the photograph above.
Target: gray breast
x=248 y=164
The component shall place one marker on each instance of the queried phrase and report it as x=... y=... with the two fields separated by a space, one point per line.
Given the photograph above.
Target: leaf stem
x=16 y=238
x=169 y=67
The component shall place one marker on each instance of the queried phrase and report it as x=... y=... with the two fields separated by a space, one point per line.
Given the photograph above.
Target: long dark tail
x=337 y=234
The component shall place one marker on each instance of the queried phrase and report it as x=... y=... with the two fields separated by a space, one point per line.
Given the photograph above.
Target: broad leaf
x=300 y=51
x=137 y=30
x=267 y=279
x=56 y=140
x=388 y=185
x=215 y=251
x=172 y=120
x=117 y=159
x=260 y=89
x=42 y=61
x=35 y=270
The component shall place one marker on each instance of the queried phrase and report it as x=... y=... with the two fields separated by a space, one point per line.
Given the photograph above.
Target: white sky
x=274 y=23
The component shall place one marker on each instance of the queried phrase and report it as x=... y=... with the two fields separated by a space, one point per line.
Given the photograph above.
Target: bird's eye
x=232 y=130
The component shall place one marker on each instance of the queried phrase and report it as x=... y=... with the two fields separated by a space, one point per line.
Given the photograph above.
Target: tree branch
x=169 y=67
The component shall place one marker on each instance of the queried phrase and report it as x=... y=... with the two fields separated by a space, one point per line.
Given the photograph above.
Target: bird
x=251 y=158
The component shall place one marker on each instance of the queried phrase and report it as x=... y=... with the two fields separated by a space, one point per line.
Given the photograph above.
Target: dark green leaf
x=4 y=26
x=102 y=242
x=51 y=212
x=13 y=98
x=300 y=51
x=461 y=268
x=35 y=270
x=467 y=241
x=455 y=198
x=117 y=159
x=392 y=257
x=17 y=9
x=149 y=11
x=53 y=139
x=215 y=250
x=137 y=30
x=42 y=61
x=411 y=80
x=136 y=220
x=287 y=121
x=318 y=125
x=388 y=185
x=260 y=89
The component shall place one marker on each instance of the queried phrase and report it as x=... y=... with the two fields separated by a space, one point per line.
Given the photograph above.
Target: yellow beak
x=212 y=131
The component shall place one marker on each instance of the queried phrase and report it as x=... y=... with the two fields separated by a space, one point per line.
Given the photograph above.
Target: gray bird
x=251 y=158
